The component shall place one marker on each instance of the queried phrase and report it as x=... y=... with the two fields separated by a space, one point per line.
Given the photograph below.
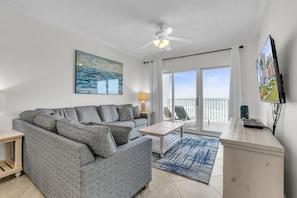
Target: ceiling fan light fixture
x=161 y=43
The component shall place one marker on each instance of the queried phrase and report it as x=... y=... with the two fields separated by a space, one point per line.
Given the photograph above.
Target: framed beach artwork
x=97 y=75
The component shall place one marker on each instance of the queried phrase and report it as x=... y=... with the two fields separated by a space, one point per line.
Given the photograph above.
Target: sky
x=267 y=49
x=215 y=83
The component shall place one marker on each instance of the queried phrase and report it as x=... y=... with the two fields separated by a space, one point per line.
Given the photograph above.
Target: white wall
x=247 y=58
x=280 y=22
x=37 y=67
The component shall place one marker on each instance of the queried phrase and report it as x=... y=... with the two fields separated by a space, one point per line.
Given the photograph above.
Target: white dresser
x=253 y=163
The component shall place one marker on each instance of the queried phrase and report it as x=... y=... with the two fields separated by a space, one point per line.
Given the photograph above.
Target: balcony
x=215 y=112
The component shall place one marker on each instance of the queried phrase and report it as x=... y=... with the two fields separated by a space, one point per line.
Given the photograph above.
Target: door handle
x=197 y=101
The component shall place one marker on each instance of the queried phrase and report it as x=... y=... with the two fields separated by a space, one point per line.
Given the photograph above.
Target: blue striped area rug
x=194 y=157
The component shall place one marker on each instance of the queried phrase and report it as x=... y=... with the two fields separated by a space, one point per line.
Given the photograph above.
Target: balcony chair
x=181 y=113
x=167 y=113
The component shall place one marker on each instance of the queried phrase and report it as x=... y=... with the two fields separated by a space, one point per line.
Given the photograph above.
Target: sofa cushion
x=70 y=113
x=47 y=122
x=64 y=112
x=136 y=112
x=124 y=105
x=108 y=113
x=121 y=134
x=98 y=138
x=87 y=114
x=125 y=113
x=140 y=122
x=29 y=115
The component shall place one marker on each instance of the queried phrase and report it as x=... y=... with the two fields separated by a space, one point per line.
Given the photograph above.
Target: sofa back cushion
x=29 y=115
x=98 y=138
x=47 y=122
x=108 y=113
x=64 y=112
x=87 y=114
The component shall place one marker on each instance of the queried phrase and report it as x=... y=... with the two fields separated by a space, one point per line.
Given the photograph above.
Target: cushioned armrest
x=53 y=162
x=123 y=173
x=121 y=134
x=41 y=139
x=98 y=138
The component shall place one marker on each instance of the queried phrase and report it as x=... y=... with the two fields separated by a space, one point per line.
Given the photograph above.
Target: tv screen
x=269 y=78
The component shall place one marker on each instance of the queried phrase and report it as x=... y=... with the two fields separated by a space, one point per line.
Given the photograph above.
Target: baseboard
x=211 y=134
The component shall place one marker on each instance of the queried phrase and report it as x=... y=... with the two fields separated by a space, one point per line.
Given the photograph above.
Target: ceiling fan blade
x=181 y=39
x=145 y=36
x=146 y=45
x=167 y=31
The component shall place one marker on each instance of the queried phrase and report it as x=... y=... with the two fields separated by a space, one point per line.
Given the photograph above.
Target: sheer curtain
x=156 y=92
x=235 y=84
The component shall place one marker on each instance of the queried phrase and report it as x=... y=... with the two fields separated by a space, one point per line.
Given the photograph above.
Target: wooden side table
x=10 y=166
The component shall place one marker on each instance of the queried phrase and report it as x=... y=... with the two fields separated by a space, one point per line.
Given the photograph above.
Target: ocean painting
x=97 y=75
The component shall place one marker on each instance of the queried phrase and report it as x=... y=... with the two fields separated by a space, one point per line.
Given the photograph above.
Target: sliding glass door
x=197 y=98
x=179 y=95
x=215 y=86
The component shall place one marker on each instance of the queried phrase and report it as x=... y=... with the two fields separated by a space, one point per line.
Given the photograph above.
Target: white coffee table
x=162 y=136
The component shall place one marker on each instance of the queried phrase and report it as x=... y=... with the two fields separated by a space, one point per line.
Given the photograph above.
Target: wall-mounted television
x=269 y=79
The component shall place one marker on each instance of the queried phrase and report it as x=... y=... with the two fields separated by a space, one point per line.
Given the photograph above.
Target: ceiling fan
x=162 y=38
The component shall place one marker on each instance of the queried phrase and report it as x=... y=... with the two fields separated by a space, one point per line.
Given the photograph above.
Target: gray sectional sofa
x=86 y=151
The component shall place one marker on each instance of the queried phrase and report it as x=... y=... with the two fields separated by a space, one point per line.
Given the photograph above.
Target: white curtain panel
x=235 y=84
x=156 y=92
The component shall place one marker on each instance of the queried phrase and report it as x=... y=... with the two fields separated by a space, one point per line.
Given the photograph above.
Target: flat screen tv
x=269 y=79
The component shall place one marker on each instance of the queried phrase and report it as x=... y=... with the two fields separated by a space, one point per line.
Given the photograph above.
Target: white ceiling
x=122 y=23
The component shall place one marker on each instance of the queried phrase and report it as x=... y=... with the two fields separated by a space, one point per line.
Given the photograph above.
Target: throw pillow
x=47 y=122
x=136 y=112
x=125 y=113
x=97 y=138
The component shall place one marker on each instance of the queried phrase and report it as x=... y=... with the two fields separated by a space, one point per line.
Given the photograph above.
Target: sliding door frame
x=199 y=100
x=201 y=96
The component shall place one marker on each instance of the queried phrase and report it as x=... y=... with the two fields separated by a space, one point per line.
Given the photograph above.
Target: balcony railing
x=214 y=109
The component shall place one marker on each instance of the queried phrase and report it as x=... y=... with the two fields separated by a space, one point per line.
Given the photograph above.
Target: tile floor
x=164 y=184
